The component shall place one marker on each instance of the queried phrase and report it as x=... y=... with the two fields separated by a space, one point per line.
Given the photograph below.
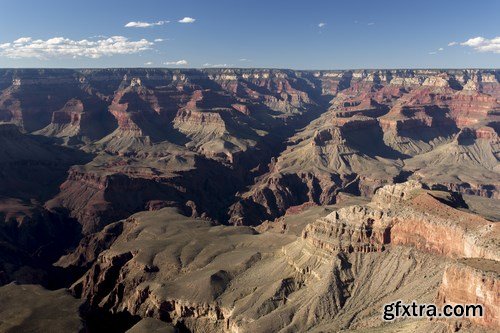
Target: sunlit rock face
x=473 y=281
x=349 y=258
x=406 y=214
x=219 y=200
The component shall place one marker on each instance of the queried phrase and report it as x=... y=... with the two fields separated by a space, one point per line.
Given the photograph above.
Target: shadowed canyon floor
x=247 y=200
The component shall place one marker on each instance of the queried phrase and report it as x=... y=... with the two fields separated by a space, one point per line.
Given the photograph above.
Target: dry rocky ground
x=247 y=200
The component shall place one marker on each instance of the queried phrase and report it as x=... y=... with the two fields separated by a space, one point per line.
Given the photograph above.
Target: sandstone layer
x=218 y=200
x=336 y=273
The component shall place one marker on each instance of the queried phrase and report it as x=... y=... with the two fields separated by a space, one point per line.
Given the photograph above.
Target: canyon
x=248 y=200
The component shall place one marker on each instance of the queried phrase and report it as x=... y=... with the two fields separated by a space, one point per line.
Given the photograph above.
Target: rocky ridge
x=326 y=275
x=356 y=184
x=379 y=133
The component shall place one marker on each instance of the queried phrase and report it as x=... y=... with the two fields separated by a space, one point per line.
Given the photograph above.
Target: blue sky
x=240 y=33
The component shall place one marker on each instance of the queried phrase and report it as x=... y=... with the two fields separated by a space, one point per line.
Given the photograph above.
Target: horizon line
x=261 y=68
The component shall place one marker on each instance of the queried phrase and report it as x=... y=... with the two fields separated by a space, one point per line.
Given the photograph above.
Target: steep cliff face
x=473 y=281
x=137 y=111
x=337 y=276
x=406 y=214
x=113 y=187
x=415 y=124
x=467 y=164
x=80 y=121
x=352 y=229
x=237 y=118
x=447 y=231
x=275 y=149
x=247 y=280
x=321 y=163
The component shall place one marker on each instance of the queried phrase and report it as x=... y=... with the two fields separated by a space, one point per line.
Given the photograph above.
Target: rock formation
x=218 y=200
x=385 y=250
x=376 y=133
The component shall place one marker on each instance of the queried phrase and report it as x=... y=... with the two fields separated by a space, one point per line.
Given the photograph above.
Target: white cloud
x=244 y=60
x=371 y=23
x=187 y=20
x=26 y=47
x=432 y=52
x=149 y=63
x=440 y=49
x=22 y=40
x=158 y=40
x=139 y=24
x=474 y=42
x=177 y=63
x=482 y=44
x=321 y=24
x=452 y=43
x=217 y=65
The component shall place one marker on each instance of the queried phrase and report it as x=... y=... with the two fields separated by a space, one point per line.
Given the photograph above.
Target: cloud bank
x=139 y=24
x=27 y=47
x=482 y=44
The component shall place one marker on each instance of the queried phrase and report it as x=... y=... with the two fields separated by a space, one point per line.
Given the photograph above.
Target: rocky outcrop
x=96 y=198
x=473 y=281
x=405 y=214
x=398 y=129
x=467 y=164
x=275 y=149
x=161 y=267
x=321 y=163
x=112 y=188
x=80 y=121
x=107 y=283
x=353 y=229
x=173 y=269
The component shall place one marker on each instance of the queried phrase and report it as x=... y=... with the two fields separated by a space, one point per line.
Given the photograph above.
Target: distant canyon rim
x=247 y=200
